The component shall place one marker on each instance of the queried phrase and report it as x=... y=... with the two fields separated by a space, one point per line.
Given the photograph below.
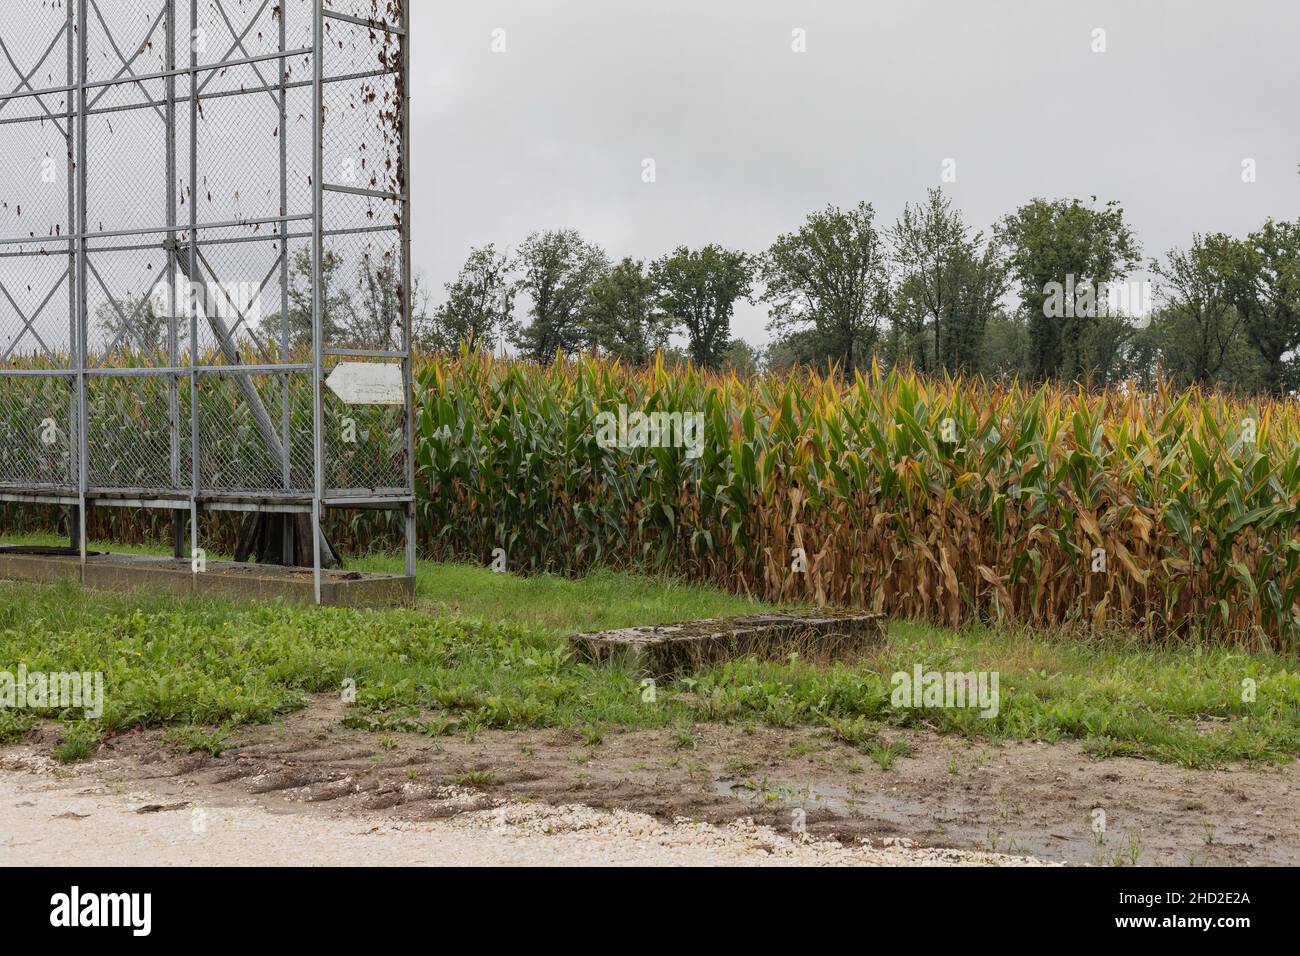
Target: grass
x=196 y=739
x=80 y=739
x=489 y=651
x=475 y=778
x=600 y=601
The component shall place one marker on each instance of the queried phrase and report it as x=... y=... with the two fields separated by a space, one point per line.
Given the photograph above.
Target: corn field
x=1168 y=514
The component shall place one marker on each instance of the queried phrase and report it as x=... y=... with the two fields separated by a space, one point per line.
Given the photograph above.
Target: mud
x=1039 y=800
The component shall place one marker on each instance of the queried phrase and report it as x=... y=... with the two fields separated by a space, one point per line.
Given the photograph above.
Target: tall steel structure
x=216 y=191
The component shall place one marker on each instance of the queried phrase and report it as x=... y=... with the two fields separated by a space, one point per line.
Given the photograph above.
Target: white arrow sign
x=367 y=383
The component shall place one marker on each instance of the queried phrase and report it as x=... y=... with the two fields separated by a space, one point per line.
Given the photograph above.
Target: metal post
x=318 y=278
x=173 y=332
x=191 y=305
x=73 y=125
x=81 y=344
x=408 y=312
x=288 y=523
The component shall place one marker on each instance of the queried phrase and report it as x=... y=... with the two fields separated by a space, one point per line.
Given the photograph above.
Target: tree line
x=1041 y=295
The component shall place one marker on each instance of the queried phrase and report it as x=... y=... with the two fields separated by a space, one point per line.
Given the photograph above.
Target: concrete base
x=664 y=650
x=221 y=579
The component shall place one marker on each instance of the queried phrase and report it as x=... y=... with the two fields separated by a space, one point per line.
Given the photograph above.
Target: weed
x=80 y=740
x=195 y=739
x=683 y=738
x=474 y=778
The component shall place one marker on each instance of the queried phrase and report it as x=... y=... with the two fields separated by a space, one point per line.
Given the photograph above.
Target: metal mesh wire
x=36 y=433
x=125 y=38
x=233 y=456
x=243 y=273
x=126 y=161
x=132 y=436
x=34 y=307
x=381 y=12
x=33 y=177
x=365 y=446
x=35 y=57
x=128 y=316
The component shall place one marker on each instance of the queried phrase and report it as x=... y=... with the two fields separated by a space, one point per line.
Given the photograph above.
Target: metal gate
x=204 y=257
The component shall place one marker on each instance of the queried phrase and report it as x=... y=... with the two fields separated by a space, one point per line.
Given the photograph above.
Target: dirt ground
x=70 y=821
x=800 y=788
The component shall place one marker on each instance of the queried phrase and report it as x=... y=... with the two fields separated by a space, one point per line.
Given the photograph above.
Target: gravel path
x=54 y=820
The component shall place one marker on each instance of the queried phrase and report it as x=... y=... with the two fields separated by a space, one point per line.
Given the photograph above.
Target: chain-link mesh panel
x=34 y=174
x=35 y=329
x=126 y=160
x=365 y=288
x=241 y=276
x=365 y=445
x=380 y=12
x=362 y=110
x=125 y=38
x=36 y=436
x=129 y=307
x=134 y=439
x=232 y=30
x=33 y=54
x=239 y=158
x=236 y=455
x=361 y=151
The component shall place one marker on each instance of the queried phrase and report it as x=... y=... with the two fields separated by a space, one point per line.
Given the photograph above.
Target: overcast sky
x=749 y=136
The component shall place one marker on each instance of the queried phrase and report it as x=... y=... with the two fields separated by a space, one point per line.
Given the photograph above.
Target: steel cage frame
x=177 y=94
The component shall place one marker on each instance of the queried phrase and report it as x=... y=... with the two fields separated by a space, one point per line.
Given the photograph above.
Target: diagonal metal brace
x=261 y=419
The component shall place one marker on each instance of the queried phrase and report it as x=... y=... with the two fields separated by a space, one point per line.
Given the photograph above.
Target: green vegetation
x=198 y=739
x=494 y=655
x=80 y=738
x=1165 y=513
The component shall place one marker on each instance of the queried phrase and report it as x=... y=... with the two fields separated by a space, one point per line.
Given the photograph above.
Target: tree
x=1264 y=282
x=1065 y=246
x=741 y=358
x=830 y=275
x=368 y=315
x=1106 y=349
x=800 y=347
x=699 y=290
x=950 y=285
x=480 y=304
x=1004 y=350
x=375 y=318
x=623 y=320
x=1196 y=329
x=136 y=326
x=336 y=313
x=558 y=269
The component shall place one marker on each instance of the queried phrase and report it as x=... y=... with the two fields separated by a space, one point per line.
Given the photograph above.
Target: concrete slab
x=667 y=649
x=221 y=579
x=39 y=568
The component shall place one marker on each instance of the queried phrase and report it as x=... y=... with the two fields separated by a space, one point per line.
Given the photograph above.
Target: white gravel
x=53 y=820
